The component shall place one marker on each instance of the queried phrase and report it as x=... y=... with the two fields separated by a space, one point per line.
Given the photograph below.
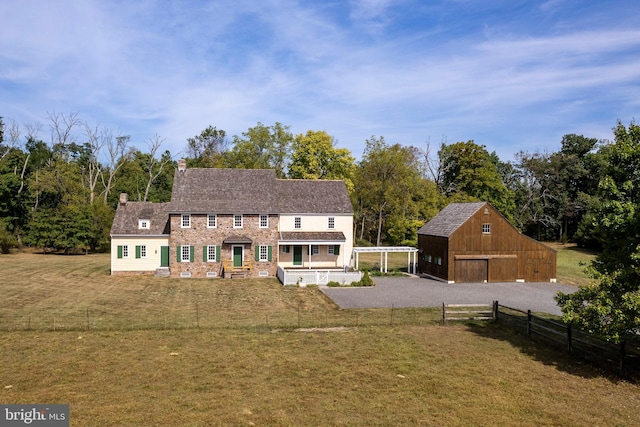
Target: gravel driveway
x=422 y=292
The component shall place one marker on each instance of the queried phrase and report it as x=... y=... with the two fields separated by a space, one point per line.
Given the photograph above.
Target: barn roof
x=127 y=216
x=450 y=219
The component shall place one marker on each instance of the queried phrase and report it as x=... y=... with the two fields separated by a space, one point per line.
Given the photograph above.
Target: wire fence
x=202 y=316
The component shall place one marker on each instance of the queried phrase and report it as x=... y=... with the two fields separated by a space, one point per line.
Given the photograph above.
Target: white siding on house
x=150 y=263
x=314 y=222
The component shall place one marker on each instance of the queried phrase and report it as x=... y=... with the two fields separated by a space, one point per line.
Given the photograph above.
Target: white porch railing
x=318 y=277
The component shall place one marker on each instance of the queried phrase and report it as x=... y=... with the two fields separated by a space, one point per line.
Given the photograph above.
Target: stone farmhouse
x=234 y=222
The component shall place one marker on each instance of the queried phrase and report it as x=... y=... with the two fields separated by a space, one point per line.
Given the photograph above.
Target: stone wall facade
x=199 y=234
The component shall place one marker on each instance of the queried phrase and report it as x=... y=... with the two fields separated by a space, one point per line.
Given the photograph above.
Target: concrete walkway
x=421 y=292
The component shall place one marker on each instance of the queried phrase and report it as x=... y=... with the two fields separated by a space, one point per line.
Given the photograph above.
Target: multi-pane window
x=315 y=249
x=186 y=221
x=143 y=251
x=286 y=249
x=264 y=253
x=331 y=223
x=486 y=228
x=264 y=221
x=330 y=249
x=237 y=221
x=212 y=221
x=297 y=222
x=125 y=251
x=185 y=252
x=143 y=224
x=211 y=253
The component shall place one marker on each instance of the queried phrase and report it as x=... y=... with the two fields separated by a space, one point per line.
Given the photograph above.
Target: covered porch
x=312 y=250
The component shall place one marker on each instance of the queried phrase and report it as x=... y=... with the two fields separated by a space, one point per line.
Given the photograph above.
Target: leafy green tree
x=468 y=168
x=208 y=149
x=7 y=239
x=314 y=156
x=262 y=147
x=611 y=307
x=387 y=178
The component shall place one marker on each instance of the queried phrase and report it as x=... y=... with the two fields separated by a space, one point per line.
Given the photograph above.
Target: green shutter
x=336 y=250
x=257 y=253
x=178 y=257
x=119 y=251
x=217 y=253
x=191 y=253
x=137 y=251
x=204 y=254
x=269 y=252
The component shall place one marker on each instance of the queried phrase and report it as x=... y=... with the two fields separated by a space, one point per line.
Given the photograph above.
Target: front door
x=164 y=256
x=297 y=255
x=237 y=256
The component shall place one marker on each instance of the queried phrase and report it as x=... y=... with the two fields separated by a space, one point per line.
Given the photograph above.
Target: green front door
x=297 y=255
x=237 y=256
x=164 y=256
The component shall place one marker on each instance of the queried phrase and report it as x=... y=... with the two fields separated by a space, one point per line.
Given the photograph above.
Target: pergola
x=384 y=250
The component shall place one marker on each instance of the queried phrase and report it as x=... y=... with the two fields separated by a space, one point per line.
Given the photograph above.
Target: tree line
x=61 y=194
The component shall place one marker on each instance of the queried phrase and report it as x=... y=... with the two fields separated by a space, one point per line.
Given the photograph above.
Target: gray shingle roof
x=450 y=219
x=255 y=191
x=312 y=236
x=313 y=196
x=224 y=191
x=127 y=216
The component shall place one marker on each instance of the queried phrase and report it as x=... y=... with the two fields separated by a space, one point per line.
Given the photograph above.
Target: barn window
x=486 y=228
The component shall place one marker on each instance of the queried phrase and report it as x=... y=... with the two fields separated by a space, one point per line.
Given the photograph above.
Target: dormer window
x=144 y=224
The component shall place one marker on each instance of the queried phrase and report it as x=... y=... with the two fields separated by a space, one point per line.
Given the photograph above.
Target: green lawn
x=249 y=363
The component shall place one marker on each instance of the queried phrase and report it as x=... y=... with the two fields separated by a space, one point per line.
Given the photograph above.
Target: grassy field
x=248 y=370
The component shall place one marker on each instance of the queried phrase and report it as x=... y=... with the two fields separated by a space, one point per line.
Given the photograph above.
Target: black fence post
x=623 y=355
x=444 y=314
x=529 y=323
x=495 y=311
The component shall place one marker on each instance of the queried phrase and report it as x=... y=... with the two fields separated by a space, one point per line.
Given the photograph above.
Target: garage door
x=471 y=270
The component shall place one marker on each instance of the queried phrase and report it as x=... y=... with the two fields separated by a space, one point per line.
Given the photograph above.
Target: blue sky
x=511 y=75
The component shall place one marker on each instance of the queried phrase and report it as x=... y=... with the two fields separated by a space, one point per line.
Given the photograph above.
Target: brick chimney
x=123 y=199
x=182 y=165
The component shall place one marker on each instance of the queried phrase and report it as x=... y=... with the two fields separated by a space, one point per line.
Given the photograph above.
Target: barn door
x=471 y=271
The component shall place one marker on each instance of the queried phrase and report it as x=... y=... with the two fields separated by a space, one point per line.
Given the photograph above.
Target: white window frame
x=264 y=253
x=143 y=251
x=237 y=217
x=125 y=251
x=331 y=223
x=212 y=249
x=297 y=222
x=263 y=221
x=185 y=221
x=185 y=250
x=212 y=221
x=315 y=250
x=330 y=250
x=486 y=228
x=144 y=224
